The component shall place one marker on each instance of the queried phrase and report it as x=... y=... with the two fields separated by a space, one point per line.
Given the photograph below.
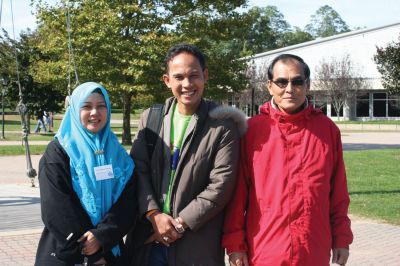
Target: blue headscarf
x=87 y=150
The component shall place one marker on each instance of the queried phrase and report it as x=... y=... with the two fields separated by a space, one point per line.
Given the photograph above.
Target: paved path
x=375 y=244
x=370 y=140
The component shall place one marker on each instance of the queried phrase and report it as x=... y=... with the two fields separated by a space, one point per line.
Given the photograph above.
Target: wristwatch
x=179 y=227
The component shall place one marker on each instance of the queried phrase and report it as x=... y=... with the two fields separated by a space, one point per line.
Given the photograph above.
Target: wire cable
x=1 y=11
x=16 y=53
x=71 y=59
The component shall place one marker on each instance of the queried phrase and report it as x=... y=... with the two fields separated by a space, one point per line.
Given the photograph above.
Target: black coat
x=63 y=214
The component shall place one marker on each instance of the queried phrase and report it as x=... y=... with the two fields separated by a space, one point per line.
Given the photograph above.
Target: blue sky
x=356 y=13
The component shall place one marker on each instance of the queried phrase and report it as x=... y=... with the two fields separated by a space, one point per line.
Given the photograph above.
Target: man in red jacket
x=291 y=201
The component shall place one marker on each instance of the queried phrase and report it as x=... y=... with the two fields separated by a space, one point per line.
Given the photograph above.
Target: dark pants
x=158 y=255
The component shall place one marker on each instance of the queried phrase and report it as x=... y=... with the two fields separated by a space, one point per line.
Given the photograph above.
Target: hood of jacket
x=277 y=115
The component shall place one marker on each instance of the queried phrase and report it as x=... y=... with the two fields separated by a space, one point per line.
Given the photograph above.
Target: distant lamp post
x=3 y=91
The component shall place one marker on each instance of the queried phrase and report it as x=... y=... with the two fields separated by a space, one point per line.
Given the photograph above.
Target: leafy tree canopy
x=36 y=96
x=388 y=63
x=122 y=44
x=262 y=29
x=326 y=22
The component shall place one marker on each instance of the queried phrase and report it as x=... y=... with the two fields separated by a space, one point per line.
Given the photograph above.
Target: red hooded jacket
x=291 y=201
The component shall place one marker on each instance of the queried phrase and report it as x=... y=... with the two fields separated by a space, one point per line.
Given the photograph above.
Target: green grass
x=16 y=136
x=134 y=116
x=13 y=150
x=374 y=183
x=13 y=123
x=20 y=150
x=33 y=149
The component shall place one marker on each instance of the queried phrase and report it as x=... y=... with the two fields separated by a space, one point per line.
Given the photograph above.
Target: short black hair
x=284 y=58
x=185 y=48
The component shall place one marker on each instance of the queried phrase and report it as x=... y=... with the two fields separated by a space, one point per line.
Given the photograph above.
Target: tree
x=295 y=36
x=340 y=79
x=213 y=35
x=262 y=29
x=119 y=43
x=326 y=22
x=36 y=96
x=388 y=63
x=256 y=92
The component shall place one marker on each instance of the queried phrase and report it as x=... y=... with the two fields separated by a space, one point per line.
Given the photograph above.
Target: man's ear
x=308 y=84
x=165 y=77
x=268 y=85
x=205 y=74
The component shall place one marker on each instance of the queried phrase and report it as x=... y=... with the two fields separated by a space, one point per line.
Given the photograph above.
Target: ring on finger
x=166 y=238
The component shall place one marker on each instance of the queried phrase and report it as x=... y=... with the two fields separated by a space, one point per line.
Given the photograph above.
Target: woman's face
x=94 y=113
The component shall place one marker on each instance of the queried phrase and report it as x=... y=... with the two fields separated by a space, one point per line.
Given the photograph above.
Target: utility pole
x=3 y=91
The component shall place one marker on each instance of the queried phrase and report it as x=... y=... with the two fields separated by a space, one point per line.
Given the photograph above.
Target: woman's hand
x=90 y=244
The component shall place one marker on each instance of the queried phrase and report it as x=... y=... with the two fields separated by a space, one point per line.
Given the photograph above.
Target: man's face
x=289 y=99
x=186 y=79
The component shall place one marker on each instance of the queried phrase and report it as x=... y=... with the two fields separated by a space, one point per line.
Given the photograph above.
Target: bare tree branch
x=341 y=79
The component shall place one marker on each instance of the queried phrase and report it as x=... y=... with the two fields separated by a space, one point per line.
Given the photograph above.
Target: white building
x=375 y=103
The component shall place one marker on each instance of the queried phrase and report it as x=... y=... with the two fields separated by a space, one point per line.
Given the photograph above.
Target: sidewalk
x=375 y=243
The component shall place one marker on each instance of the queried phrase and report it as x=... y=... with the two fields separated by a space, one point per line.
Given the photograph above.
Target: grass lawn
x=374 y=183
x=34 y=150
x=16 y=136
x=13 y=122
x=20 y=150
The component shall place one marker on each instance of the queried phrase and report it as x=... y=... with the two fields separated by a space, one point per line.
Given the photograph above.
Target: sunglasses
x=282 y=83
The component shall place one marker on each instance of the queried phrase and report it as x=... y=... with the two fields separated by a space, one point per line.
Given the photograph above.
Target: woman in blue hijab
x=86 y=187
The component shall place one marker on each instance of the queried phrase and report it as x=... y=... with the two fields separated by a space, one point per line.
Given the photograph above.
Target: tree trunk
x=126 y=125
x=337 y=107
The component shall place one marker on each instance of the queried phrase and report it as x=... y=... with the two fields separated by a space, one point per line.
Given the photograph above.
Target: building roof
x=360 y=45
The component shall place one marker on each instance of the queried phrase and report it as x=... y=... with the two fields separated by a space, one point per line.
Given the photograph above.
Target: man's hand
x=340 y=256
x=164 y=229
x=90 y=244
x=238 y=259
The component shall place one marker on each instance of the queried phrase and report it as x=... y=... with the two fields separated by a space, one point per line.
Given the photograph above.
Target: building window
x=379 y=104
x=362 y=104
x=394 y=105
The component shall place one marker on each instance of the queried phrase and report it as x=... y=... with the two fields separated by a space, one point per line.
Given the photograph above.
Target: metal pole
x=29 y=169
x=2 y=112
x=252 y=100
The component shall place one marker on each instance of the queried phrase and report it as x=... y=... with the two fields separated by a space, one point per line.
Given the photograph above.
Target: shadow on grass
x=374 y=192
x=368 y=146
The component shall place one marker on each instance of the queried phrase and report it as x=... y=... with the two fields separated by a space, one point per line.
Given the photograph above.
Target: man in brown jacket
x=185 y=185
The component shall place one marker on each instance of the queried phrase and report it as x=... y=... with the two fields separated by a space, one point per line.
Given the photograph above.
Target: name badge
x=103 y=172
